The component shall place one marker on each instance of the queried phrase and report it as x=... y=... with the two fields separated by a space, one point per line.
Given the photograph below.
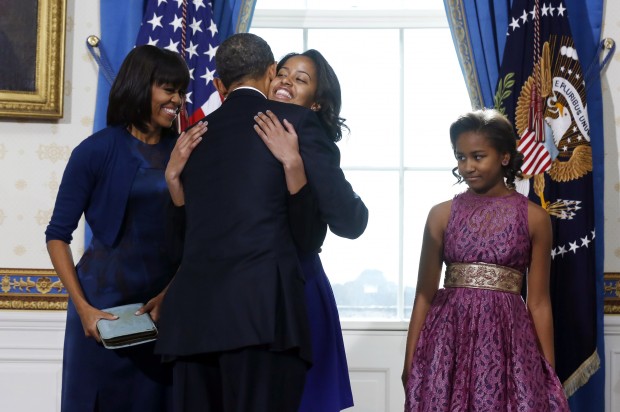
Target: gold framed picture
x=31 y=289
x=611 y=293
x=32 y=54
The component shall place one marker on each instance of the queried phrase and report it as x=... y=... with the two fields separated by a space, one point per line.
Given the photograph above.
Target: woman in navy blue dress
x=116 y=179
x=308 y=80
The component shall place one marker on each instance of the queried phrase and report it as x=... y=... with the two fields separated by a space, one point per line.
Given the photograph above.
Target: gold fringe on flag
x=581 y=376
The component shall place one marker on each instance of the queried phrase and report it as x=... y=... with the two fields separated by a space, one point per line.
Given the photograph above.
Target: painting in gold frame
x=611 y=293
x=31 y=289
x=32 y=52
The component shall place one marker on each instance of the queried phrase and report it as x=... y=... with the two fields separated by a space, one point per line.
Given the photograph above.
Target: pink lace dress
x=478 y=349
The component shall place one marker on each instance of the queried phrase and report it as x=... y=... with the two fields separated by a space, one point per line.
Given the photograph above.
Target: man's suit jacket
x=239 y=283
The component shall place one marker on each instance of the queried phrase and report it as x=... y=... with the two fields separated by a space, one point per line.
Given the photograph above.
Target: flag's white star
x=179 y=3
x=561 y=10
x=565 y=148
x=545 y=9
x=593 y=235
x=188 y=97
x=514 y=24
x=579 y=137
x=152 y=42
x=585 y=241
x=570 y=71
x=562 y=69
x=533 y=12
x=191 y=50
x=561 y=250
x=212 y=28
x=156 y=21
x=573 y=247
x=191 y=73
x=195 y=25
x=208 y=76
x=524 y=17
x=577 y=75
x=551 y=9
x=553 y=253
x=177 y=23
x=198 y=4
x=211 y=52
x=172 y=46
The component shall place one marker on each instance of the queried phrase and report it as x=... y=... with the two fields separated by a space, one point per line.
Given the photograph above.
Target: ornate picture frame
x=611 y=293
x=31 y=289
x=32 y=52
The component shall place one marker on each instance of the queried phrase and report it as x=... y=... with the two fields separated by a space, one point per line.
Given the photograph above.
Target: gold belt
x=483 y=276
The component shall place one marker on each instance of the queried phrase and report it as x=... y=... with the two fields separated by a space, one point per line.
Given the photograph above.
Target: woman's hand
x=89 y=317
x=282 y=141
x=183 y=148
x=153 y=306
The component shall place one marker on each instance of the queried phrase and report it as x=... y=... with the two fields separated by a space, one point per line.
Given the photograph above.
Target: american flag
x=536 y=156
x=187 y=27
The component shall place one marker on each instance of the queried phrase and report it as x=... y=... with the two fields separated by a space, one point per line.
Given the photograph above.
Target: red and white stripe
x=537 y=159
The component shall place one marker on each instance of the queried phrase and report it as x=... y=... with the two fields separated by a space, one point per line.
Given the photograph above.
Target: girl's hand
x=282 y=141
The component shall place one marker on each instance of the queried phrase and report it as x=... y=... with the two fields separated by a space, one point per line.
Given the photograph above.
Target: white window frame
x=365 y=19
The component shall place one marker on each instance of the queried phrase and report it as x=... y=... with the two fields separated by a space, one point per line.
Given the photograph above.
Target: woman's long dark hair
x=328 y=94
x=499 y=132
x=130 y=97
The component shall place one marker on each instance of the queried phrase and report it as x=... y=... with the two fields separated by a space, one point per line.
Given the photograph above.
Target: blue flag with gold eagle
x=541 y=89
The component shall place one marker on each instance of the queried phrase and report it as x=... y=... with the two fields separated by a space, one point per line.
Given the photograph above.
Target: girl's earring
x=315 y=107
x=505 y=162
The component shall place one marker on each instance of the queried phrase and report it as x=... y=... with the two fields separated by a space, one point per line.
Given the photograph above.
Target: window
x=402 y=88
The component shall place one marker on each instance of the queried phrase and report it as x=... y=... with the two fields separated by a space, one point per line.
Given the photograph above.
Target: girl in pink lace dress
x=474 y=345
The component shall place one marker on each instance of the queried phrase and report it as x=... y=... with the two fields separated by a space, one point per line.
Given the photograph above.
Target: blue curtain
x=120 y=23
x=233 y=16
x=479 y=32
x=478 y=29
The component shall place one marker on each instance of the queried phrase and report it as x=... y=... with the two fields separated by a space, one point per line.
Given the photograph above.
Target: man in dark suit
x=234 y=318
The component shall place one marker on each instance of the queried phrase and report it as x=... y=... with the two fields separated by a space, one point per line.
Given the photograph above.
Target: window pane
x=370 y=91
x=349 y=4
x=435 y=95
x=280 y=4
x=423 y=190
x=282 y=41
x=364 y=272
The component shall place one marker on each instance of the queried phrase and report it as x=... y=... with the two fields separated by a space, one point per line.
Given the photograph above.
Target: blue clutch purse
x=128 y=329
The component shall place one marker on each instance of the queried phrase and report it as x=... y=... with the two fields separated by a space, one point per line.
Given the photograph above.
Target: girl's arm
x=429 y=274
x=307 y=227
x=538 y=298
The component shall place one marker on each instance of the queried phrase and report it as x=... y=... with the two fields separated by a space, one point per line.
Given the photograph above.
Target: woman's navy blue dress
x=327 y=387
x=135 y=269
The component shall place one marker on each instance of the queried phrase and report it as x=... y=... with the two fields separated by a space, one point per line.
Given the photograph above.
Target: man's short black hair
x=242 y=56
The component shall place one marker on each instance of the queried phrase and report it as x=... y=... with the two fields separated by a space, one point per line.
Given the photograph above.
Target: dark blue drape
x=479 y=31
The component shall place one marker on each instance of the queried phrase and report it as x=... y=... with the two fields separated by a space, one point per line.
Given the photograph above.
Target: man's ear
x=219 y=85
x=272 y=71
